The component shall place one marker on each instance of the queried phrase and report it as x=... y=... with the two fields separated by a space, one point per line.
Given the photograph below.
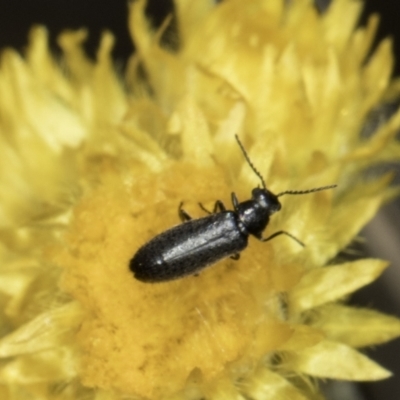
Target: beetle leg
x=235 y=201
x=183 y=215
x=235 y=256
x=219 y=207
x=204 y=209
x=280 y=233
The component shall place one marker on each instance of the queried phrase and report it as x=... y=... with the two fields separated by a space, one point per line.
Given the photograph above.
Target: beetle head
x=266 y=200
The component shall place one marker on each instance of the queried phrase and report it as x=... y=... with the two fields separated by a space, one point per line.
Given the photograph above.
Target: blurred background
x=382 y=236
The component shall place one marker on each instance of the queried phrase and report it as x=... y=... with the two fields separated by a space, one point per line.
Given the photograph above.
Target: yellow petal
x=55 y=364
x=190 y=14
x=303 y=336
x=335 y=361
x=195 y=147
x=356 y=327
x=341 y=13
x=45 y=331
x=265 y=384
x=320 y=286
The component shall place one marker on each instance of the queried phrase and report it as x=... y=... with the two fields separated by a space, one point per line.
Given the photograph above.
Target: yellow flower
x=93 y=166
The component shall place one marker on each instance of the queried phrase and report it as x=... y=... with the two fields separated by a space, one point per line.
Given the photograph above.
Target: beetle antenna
x=318 y=189
x=249 y=162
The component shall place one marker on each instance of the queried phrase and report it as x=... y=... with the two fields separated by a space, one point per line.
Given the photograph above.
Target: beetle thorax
x=254 y=214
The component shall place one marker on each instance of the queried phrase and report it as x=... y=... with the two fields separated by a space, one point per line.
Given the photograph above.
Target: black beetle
x=193 y=245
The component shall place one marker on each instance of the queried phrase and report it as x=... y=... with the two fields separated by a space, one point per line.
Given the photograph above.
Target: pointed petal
x=357 y=327
x=45 y=331
x=49 y=365
x=265 y=384
x=335 y=361
x=324 y=285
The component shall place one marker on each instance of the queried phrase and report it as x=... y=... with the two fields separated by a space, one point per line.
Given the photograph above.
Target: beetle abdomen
x=188 y=248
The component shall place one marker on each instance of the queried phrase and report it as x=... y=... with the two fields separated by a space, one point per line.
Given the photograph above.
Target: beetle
x=197 y=243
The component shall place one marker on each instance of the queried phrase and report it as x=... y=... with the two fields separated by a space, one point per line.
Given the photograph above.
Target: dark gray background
x=383 y=240
x=17 y=16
